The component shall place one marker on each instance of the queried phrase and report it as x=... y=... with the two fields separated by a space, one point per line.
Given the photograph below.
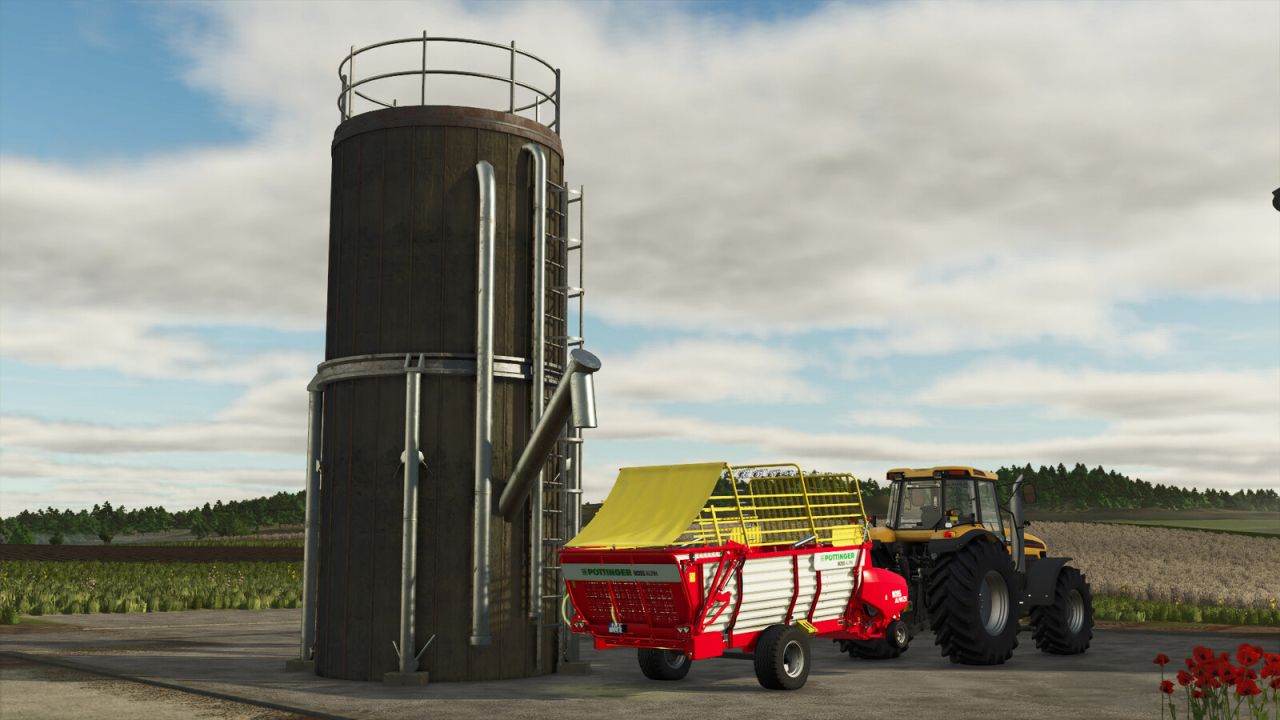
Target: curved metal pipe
x=538 y=168
x=1016 y=533
x=484 y=406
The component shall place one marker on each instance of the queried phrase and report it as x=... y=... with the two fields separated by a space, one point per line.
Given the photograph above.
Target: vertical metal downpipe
x=484 y=407
x=538 y=167
x=409 y=535
x=311 y=543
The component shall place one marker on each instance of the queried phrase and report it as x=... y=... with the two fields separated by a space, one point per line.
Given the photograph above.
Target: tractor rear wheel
x=972 y=604
x=663 y=664
x=1066 y=626
x=782 y=657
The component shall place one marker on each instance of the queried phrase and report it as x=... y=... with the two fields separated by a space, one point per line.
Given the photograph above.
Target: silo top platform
x=451 y=73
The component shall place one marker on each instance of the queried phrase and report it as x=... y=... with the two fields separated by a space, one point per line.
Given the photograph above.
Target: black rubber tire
x=777 y=665
x=880 y=649
x=1051 y=624
x=955 y=609
x=663 y=664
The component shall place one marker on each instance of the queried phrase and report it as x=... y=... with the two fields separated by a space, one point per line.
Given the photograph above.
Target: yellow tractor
x=973 y=574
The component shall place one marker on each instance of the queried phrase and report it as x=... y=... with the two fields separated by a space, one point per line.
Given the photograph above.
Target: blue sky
x=879 y=235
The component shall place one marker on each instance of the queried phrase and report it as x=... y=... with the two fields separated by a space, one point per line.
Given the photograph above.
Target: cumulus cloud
x=1146 y=397
x=708 y=371
x=842 y=170
x=934 y=176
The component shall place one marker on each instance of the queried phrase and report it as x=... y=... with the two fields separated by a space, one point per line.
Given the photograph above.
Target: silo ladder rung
x=573 y=339
x=573 y=243
x=570 y=290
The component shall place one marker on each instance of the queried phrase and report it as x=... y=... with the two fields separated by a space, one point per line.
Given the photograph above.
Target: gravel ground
x=241 y=654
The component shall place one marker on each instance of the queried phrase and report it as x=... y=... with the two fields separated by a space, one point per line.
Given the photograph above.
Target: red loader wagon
x=688 y=562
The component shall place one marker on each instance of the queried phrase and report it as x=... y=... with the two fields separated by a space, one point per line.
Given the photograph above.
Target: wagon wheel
x=891 y=646
x=659 y=664
x=782 y=657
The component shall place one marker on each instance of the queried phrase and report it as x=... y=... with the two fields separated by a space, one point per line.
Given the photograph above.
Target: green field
x=1239 y=522
x=71 y=588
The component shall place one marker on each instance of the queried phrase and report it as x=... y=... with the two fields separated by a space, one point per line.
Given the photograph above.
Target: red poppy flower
x=1202 y=654
x=1248 y=654
x=1197 y=694
x=1190 y=665
x=1275 y=683
x=1247 y=687
x=1162 y=660
x=1184 y=678
x=1166 y=687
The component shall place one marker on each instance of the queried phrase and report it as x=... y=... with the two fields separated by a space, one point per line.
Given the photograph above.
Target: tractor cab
x=934 y=499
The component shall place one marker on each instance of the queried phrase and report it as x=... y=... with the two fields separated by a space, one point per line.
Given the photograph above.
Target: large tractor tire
x=663 y=664
x=782 y=657
x=885 y=648
x=1066 y=626
x=972 y=599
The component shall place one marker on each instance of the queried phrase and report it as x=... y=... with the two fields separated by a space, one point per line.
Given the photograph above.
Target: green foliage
x=1081 y=488
x=106 y=522
x=1118 y=607
x=57 y=538
x=50 y=588
x=14 y=532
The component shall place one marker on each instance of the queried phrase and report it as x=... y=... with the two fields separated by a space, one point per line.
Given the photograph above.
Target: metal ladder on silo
x=564 y=486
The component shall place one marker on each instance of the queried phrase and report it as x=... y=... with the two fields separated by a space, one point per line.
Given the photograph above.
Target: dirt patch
x=30 y=626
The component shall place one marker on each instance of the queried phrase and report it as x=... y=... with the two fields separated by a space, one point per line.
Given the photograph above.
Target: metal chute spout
x=559 y=411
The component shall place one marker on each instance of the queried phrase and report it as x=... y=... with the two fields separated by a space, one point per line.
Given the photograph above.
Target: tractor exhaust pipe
x=574 y=399
x=1019 y=521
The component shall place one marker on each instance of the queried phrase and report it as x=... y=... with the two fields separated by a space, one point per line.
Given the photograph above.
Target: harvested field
x=1170 y=565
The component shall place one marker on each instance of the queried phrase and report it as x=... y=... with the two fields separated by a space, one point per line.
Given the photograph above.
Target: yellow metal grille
x=781 y=506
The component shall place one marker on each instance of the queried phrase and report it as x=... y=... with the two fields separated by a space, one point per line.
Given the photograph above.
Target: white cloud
x=708 y=371
x=31 y=482
x=887 y=418
x=267 y=418
x=1148 y=397
x=840 y=170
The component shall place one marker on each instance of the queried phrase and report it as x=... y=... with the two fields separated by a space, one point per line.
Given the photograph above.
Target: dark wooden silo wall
x=402 y=279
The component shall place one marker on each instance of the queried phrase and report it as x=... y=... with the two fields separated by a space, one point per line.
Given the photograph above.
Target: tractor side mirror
x=1029 y=494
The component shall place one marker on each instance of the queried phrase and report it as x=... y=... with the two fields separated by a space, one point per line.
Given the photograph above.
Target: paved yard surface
x=239 y=656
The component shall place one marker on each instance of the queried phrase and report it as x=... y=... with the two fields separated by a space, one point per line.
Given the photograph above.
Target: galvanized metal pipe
x=409 y=535
x=311 y=533
x=484 y=407
x=543 y=440
x=538 y=172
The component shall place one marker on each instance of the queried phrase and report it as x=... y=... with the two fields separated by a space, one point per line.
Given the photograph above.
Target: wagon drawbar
x=686 y=562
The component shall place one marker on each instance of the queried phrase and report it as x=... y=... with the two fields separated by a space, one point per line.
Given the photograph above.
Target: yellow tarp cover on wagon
x=651 y=506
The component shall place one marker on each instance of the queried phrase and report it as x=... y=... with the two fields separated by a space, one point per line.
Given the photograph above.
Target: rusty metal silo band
x=485 y=240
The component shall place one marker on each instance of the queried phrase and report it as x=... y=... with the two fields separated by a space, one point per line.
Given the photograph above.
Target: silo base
x=410 y=679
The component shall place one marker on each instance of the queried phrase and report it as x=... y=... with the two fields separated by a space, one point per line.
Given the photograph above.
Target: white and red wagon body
x=697 y=560
x=713 y=599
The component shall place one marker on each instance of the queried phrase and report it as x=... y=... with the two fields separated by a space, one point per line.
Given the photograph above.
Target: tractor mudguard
x=1042 y=578
x=884 y=590
x=949 y=545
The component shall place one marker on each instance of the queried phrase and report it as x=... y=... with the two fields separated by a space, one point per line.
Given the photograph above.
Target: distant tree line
x=1082 y=488
x=1057 y=488
x=105 y=522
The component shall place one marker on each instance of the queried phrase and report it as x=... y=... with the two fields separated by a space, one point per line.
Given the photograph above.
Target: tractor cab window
x=990 y=508
x=961 y=503
x=919 y=504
